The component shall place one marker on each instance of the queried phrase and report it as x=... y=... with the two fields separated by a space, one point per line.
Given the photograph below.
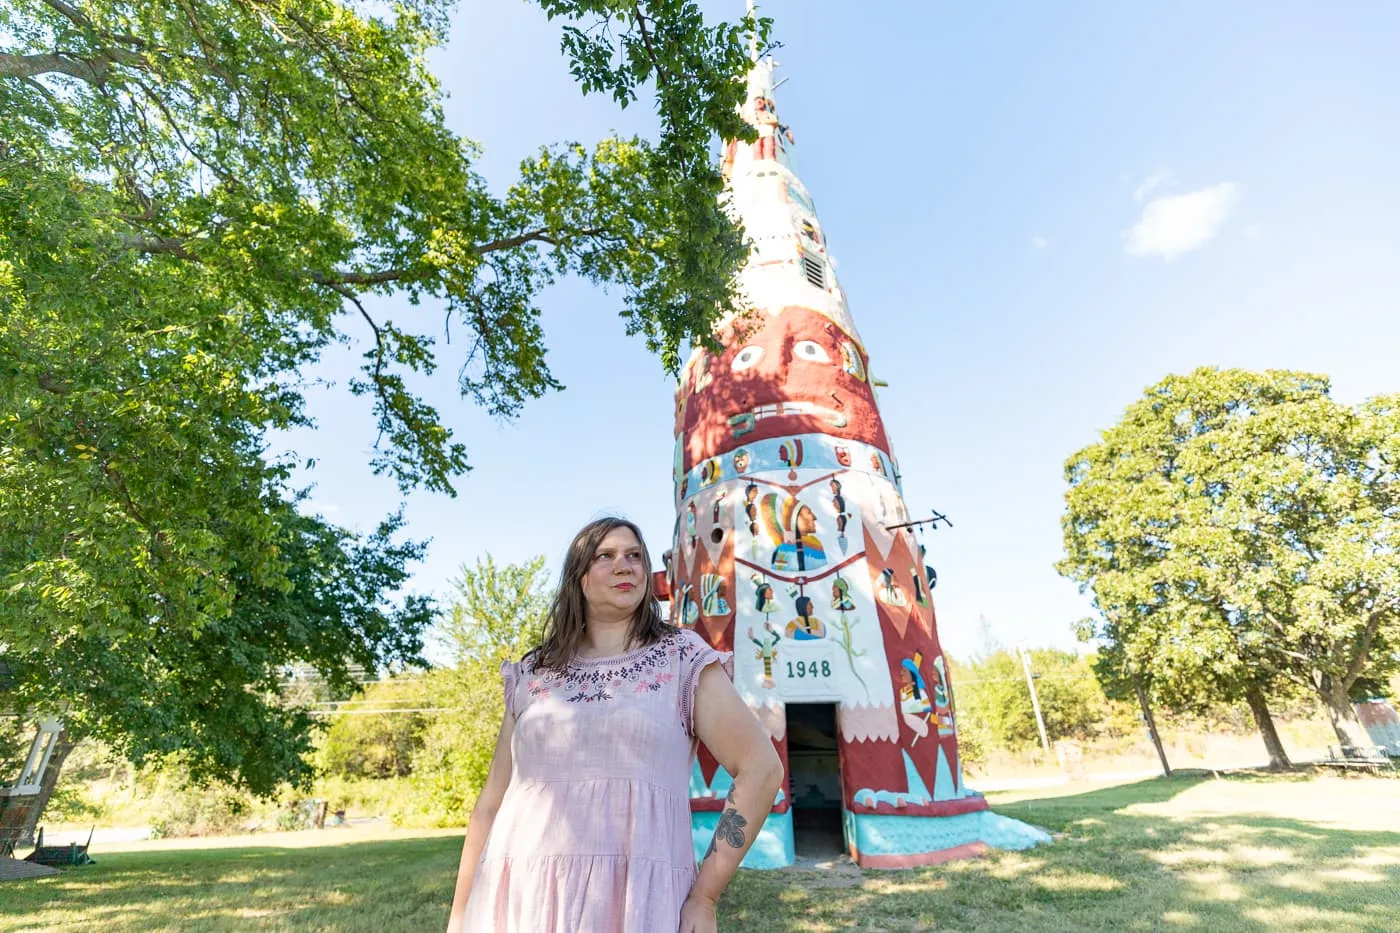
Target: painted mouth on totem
x=752 y=417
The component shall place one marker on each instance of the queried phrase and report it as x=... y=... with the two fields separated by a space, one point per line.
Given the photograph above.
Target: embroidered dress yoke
x=593 y=835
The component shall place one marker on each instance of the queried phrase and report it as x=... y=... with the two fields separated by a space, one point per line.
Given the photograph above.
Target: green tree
x=195 y=199
x=1238 y=531
x=992 y=693
x=14 y=746
x=496 y=614
x=188 y=177
x=212 y=694
x=363 y=744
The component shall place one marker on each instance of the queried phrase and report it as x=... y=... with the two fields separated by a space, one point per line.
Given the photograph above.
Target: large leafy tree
x=1238 y=532
x=195 y=199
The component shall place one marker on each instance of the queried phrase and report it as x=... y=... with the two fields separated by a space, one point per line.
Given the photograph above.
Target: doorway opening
x=814 y=780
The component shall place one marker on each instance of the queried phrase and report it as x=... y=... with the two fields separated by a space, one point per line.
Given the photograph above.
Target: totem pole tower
x=786 y=490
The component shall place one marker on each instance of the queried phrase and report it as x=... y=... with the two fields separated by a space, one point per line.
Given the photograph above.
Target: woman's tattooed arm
x=738 y=741
x=730 y=828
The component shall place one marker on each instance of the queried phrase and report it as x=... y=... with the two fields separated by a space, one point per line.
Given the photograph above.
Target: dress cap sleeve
x=510 y=674
x=696 y=655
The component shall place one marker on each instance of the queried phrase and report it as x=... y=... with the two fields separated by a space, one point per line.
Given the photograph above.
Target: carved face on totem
x=790 y=376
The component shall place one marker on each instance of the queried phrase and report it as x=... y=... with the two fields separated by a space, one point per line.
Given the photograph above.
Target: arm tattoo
x=730 y=828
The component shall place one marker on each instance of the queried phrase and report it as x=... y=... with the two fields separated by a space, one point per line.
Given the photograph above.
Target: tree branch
x=91 y=70
x=165 y=245
x=223 y=174
x=646 y=40
x=1363 y=648
x=354 y=299
x=211 y=54
x=337 y=278
x=70 y=13
x=514 y=241
x=49 y=383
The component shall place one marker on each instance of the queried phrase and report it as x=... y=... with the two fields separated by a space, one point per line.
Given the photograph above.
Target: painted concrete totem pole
x=786 y=487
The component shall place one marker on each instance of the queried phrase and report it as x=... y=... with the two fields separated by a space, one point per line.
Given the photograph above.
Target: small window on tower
x=814 y=268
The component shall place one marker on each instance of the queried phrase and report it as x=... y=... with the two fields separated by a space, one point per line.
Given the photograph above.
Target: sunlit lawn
x=1239 y=853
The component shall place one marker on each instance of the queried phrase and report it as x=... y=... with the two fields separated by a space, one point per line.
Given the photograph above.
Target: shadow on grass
x=380 y=885
x=1122 y=861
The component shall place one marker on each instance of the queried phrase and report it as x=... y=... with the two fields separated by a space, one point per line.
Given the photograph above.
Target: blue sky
x=1036 y=212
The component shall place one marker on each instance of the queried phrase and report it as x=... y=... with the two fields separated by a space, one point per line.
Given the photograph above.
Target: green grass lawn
x=1238 y=853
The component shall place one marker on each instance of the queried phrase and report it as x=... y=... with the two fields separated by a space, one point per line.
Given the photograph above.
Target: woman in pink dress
x=583 y=825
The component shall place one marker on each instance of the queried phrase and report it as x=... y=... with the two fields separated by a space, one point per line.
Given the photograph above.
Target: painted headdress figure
x=790 y=527
x=712 y=601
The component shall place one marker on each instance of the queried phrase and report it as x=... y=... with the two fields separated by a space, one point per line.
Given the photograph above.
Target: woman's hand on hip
x=698 y=915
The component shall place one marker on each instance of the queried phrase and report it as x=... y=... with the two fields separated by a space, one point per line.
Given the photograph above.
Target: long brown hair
x=564 y=626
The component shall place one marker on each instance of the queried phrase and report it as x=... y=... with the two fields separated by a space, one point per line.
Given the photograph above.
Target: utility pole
x=1035 y=700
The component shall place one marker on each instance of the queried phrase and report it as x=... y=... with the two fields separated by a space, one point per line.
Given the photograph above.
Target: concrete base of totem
x=881 y=841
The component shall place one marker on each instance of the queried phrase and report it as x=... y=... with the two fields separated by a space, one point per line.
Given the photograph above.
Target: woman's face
x=614 y=585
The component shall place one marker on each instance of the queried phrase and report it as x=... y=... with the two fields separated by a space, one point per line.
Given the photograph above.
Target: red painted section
x=795 y=356
x=708 y=766
x=660 y=586
x=908 y=629
x=967 y=850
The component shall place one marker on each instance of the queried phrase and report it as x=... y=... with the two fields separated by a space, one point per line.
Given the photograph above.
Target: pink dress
x=593 y=835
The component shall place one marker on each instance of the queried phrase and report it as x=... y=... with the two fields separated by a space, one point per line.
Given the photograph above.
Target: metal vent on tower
x=815 y=268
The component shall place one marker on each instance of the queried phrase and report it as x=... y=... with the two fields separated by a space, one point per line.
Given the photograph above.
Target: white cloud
x=318 y=507
x=1039 y=242
x=1149 y=185
x=1173 y=225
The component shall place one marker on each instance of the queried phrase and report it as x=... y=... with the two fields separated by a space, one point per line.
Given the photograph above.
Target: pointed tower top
x=789 y=265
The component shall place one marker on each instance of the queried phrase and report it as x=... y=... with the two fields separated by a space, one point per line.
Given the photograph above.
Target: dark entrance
x=814 y=780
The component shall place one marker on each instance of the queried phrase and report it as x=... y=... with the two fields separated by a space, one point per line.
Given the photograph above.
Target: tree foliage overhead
x=277 y=159
x=195 y=199
x=1239 y=528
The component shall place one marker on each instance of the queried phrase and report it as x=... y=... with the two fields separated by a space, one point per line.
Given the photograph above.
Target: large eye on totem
x=748 y=357
x=811 y=351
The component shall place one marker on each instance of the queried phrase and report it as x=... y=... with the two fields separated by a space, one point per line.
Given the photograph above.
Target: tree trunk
x=1278 y=758
x=1350 y=731
x=63 y=744
x=1151 y=723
